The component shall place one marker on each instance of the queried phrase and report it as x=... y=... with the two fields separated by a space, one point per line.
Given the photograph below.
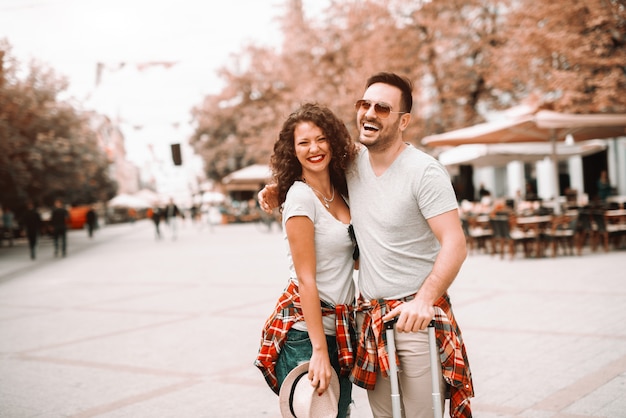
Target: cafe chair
x=563 y=231
x=507 y=238
x=477 y=236
x=615 y=224
x=599 y=231
x=584 y=228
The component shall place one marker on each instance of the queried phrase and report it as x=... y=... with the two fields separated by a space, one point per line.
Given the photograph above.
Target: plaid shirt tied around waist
x=288 y=311
x=371 y=354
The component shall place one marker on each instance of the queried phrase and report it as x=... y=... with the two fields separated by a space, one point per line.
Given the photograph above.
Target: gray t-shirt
x=333 y=250
x=389 y=214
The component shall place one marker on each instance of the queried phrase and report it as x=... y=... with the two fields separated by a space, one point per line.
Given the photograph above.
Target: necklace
x=327 y=202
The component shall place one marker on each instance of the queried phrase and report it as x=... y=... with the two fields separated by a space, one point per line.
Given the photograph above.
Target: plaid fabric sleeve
x=371 y=352
x=454 y=361
x=345 y=333
x=286 y=313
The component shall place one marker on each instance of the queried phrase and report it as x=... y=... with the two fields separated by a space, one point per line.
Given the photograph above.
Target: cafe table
x=535 y=224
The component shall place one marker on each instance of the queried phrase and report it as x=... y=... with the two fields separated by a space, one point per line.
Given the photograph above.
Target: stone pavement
x=128 y=326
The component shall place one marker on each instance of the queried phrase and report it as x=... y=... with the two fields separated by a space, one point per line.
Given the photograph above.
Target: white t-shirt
x=333 y=250
x=389 y=213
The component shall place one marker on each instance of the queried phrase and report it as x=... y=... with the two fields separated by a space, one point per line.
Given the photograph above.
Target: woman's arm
x=301 y=235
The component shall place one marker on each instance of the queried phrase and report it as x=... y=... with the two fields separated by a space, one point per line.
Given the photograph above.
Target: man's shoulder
x=415 y=160
x=414 y=152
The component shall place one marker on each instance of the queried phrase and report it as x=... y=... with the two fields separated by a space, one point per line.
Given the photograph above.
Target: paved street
x=127 y=326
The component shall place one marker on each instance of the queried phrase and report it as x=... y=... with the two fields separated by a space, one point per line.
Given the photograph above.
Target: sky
x=152 y=102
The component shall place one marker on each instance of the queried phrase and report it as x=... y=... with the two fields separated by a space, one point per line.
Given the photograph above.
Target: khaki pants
x=413 y=376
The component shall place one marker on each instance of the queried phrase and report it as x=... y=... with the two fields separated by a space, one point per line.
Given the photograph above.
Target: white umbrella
x=542 y=126
x=257 y=173
x=497 y=155
x=128 y=201
x=251 y=178
x=213 y=197
x=149 y=196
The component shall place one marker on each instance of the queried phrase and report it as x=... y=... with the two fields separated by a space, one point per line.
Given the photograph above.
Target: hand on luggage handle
x=435 y=368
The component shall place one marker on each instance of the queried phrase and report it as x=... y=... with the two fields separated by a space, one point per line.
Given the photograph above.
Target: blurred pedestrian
x=7 y=222
x=482 y=191
x=8 y=225
x=92 y=221
x=32 y=223
x=171 y=213
x=531 y=193
x=132 y=215
x=604 y=186
x=195 y=213
x=58 y=220
x=156 y=215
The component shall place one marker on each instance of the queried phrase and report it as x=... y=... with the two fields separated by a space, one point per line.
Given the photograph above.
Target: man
x=405 y=216
x=406 y=221
x=58 y=220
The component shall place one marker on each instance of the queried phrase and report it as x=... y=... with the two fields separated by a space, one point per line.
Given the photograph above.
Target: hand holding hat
x=299 y=399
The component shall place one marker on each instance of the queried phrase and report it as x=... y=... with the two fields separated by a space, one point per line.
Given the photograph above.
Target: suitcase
x=396 y=403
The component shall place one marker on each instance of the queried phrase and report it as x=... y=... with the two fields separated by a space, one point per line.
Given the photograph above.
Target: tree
x=47 y=149
x=572 y=56
x=465 y=58
x=236 y=127
x=451 y=42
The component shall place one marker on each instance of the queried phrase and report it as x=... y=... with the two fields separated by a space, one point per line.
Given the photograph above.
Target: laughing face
x=312 y=148
x=375 y=132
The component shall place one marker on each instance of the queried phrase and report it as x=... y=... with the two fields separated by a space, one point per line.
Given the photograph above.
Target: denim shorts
x=298 y=349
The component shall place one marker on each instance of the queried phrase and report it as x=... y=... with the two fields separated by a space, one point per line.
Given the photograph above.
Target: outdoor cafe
x=542 y=226
x=531 y=229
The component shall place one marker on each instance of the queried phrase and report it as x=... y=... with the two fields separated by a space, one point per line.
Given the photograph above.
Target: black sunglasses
x=382 y=109
x=355 y=254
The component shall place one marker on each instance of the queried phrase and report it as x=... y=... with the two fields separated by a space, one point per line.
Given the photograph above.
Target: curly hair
x=285 y=165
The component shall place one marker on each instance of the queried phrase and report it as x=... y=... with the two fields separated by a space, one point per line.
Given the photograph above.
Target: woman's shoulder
x=300 y=200
x=299 y=191
x=297 y=187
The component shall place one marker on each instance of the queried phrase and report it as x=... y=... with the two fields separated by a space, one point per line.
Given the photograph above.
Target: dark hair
x=403 y=83
x=285 y=165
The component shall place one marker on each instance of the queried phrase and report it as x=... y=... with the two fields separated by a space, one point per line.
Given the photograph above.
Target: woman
x=309 y=161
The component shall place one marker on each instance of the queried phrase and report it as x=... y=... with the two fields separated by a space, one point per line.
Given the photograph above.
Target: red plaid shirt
x=372 y=354
x=288 y=311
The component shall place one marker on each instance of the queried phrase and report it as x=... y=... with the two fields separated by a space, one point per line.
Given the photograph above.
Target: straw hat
x=299 y=399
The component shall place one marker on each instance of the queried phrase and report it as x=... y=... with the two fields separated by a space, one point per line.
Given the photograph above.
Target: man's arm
x=417 y=314
x=268 y=198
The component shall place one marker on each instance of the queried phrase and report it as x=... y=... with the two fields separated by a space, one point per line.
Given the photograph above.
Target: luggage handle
x=435 y=369
x=396 y=404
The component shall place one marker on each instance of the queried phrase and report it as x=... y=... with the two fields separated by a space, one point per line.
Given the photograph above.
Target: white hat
x=298 y=399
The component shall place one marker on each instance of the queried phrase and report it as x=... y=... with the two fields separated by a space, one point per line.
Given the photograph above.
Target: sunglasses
x=355 y=253
x=382 y=109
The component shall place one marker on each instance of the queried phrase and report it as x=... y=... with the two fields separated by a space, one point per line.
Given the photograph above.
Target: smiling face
x=376 y=133
x=312 y=148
